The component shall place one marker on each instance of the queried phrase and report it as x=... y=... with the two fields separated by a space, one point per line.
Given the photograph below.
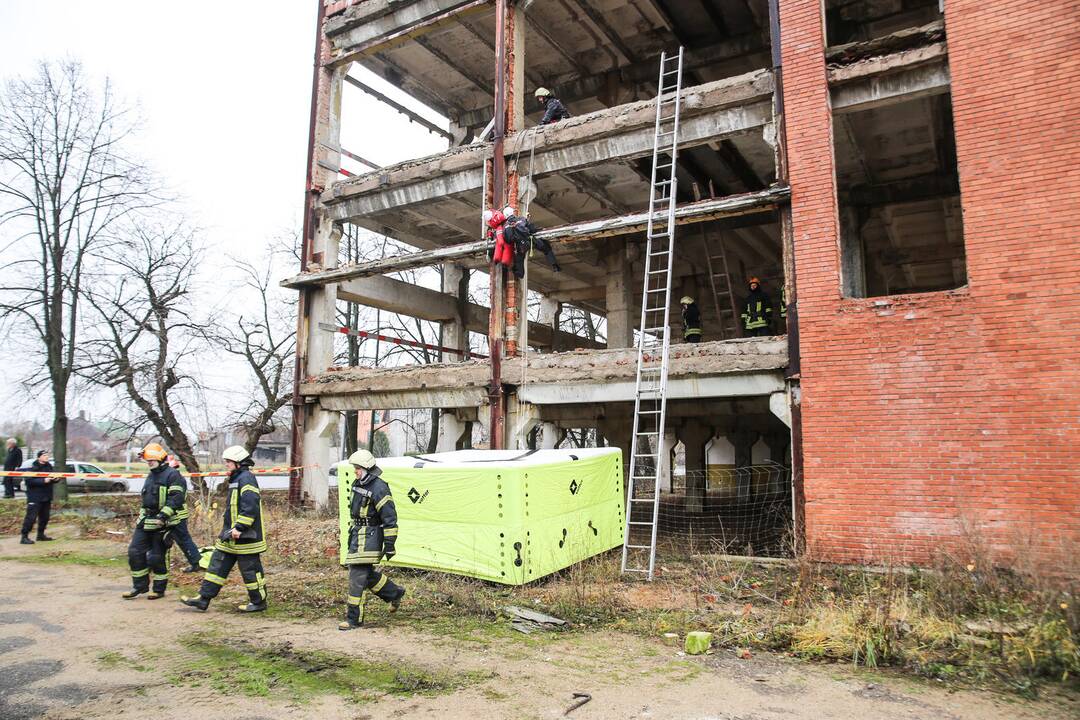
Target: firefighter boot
x=134 y=593
x=199 y=602
x=396 y=602
x=252 y=607
x=352 y=618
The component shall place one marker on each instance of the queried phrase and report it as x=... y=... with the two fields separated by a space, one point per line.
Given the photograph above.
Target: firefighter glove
x=388 y=549
x=152 y=524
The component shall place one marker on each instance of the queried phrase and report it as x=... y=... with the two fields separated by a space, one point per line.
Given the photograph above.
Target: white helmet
x=509 y=210
x=488 y=214
x=362 y=458
x=542 y=92
x=236 y=453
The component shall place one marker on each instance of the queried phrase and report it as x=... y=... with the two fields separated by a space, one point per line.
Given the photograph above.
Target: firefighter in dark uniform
x=164 y=494
x=691 y=319
x=242 y=539
x=757 y=311
x=372 y=536
x=554 y=110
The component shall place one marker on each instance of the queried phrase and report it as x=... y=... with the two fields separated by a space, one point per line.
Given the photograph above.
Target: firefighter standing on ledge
x=757 y=311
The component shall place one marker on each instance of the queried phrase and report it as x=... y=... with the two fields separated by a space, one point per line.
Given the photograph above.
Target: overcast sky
x=224 y=91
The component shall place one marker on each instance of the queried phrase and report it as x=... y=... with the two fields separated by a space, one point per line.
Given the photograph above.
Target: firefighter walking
x=372 y=532
x=164 y=496
x=242 y=539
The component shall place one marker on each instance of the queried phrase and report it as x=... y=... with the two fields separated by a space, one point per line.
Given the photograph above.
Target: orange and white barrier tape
x=114 y=476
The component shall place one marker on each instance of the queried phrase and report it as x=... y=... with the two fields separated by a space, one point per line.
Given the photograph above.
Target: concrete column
x=619 y=433
x=452 y=430
x=619 y=297
x=521 y=418
x=516 y=96
x=550 y=310
x=316 y=346
x=694 y=436
x=549 y=435
x=455 y=281
x=320 y=426
x=666 y=459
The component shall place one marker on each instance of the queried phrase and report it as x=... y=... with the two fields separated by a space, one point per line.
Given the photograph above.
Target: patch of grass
x=298 y=675
x=70 y=557
x=114 y=660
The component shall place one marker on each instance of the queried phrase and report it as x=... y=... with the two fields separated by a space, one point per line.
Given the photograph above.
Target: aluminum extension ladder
x=720 y=282
x=654 y=338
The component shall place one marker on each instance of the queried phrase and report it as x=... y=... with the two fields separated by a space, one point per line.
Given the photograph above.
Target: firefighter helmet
x=754 y=281
x=509 y=210
x=542 y=92
x=153 y=451
x=362 y=458
x=686 y=300
x=236 y=453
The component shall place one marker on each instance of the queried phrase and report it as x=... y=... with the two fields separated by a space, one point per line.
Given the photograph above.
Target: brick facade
x=926 y=415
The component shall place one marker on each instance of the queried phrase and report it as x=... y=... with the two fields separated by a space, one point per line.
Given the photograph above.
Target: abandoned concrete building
x=897 y=171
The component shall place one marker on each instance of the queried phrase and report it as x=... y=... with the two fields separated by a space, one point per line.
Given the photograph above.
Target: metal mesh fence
x=738 y=511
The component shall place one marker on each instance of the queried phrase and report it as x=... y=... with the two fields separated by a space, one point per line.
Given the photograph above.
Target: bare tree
x=265 y=340
x=144 y=335
x=65 y=182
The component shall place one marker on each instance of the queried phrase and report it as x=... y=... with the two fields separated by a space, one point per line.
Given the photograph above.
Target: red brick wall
x=929 y=414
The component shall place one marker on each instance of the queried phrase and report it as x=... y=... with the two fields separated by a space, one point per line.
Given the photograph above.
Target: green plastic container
x=509 y=516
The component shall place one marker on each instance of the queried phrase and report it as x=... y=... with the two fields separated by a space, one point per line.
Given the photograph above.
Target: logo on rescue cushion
x=416 y=497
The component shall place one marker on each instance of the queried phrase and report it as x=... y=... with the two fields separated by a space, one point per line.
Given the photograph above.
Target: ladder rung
x=637 y=570
x=640 y=547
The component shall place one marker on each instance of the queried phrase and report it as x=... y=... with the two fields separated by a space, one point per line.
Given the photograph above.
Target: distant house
x=272 y=449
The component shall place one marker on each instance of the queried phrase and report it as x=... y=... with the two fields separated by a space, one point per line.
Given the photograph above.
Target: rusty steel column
x=310 y=194
x=496 y=396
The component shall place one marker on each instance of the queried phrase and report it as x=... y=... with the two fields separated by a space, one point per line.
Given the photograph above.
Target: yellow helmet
x=236 y=453
x=362 y=458
x=686 y=300
x=153 y=451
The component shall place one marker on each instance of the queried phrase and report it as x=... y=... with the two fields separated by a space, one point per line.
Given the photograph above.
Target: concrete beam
x=706 y=210
x=896 y=78
x=582 y=85
x=715 y=110
x=411 y=300
x=759 y=361
x=377 y=25
x=761 y=383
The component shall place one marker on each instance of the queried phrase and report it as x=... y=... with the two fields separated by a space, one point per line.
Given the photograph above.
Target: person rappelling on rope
x=503 y=251
x=523 y=235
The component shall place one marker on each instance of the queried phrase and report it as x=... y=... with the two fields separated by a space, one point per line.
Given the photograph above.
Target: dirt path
x=70 y=647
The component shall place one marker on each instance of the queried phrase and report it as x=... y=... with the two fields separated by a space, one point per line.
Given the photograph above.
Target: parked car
x=88 y=484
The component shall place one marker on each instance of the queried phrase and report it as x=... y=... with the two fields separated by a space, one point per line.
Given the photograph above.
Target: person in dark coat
x=12 y=461
x=757 y=311
x=522 y=233
x=39 y=495
x=242 y=540
x=691 y=318
x=182 y=535
x=554 y=110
